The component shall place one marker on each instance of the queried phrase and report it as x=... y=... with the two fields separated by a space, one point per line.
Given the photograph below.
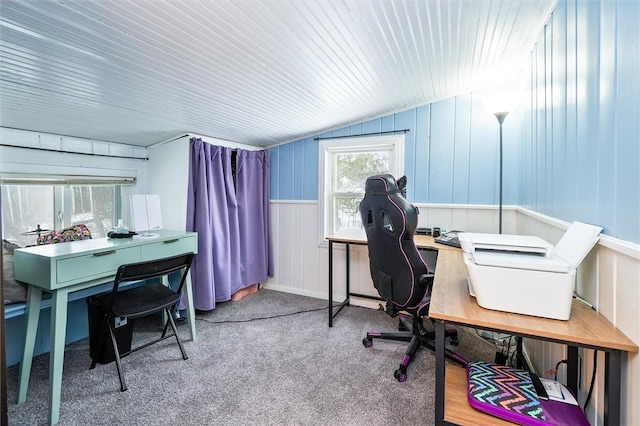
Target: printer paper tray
x=521 y=261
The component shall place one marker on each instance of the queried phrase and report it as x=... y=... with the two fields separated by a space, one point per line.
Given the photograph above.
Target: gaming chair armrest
x=426 y=280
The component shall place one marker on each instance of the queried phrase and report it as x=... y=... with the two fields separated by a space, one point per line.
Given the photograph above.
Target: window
x=25 y=207
x=345 y=165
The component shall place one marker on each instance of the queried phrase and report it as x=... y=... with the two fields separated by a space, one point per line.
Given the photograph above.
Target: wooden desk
x=61 y=269
x=451 y=303
x=359 y=237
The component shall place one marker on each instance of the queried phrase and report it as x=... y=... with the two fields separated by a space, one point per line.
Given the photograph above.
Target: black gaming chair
x=398 y=270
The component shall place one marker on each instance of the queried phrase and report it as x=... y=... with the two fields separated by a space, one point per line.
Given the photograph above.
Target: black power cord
x=593 y=379
x=555 y=377
x=259 y=318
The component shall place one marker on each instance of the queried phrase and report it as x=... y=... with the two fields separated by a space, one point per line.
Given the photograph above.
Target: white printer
x=525 y=274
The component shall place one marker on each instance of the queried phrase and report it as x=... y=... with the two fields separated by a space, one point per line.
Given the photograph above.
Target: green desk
x=61 y=269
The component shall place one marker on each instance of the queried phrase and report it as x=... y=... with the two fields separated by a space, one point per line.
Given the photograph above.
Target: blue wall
x=451 y=155
x=581 y=144
x=571 y=152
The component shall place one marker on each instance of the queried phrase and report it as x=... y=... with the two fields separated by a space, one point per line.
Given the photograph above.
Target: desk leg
x=330 y=283
x=56 y=356
x=612 y=377
x=572 y=368
x=191 y=312
x=34 y=297
x=348 y=267
x=440 y=372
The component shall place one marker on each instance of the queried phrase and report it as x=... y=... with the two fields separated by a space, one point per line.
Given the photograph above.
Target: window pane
x=93 y=206
x=353 y=169
x=24 y=207
x=346 y=213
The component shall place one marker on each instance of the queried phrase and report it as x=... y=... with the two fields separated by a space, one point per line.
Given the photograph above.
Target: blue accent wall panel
x=582 y=125
x=340 y=132
x=461 y=150
x=387 y=123
x=559 y=141
x=274 y=171
x=483 y=159
x=286 y=171
x=372 y=126
x=626 y=127
x=420 y=184
x=356 y=129
x=571 y=166
x=298 y=170
x=588 y=31
x=310 y=164
x=441 y=151
x=606 y=164
x=407 y=120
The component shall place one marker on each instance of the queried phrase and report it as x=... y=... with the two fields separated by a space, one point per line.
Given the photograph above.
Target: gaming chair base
x=417 y=336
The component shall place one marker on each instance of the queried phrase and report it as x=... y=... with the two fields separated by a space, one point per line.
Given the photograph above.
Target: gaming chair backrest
x=390 y=222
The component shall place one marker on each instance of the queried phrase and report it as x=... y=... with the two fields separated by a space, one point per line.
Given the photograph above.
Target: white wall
x=44 y=153
x=609 y=278
x=169 y=174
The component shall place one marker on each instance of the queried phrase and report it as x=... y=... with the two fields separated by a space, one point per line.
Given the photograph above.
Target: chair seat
x=142 y=301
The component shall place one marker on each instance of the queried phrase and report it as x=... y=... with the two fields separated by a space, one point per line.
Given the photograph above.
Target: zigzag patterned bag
x=509 y=393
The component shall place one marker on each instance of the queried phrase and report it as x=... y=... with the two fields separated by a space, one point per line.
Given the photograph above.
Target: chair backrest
x=390 y=221
x=154 y=269
x=71 y=233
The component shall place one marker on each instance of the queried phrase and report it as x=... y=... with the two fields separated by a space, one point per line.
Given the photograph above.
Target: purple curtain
x=232 y=221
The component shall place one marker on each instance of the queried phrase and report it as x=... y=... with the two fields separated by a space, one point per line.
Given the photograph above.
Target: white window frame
x=330 y=147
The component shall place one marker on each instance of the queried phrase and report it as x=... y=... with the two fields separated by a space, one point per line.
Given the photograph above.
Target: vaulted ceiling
x=247 y=71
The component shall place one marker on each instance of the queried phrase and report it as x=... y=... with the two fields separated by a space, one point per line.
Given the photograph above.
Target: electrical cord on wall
x=555 y=376
x=593 y=379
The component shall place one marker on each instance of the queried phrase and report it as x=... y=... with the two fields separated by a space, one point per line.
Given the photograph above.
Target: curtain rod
x=364 y=134
x=73 y=152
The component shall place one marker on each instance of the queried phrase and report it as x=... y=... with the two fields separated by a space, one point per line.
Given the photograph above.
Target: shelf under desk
x=457 y=409
x=451 y=303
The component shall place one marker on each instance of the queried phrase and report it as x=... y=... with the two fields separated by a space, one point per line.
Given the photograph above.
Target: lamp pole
x=500 y=116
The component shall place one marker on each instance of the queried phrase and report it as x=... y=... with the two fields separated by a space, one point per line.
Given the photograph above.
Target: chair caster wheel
x=400 y=376
x=454 y=341
x=367 y=342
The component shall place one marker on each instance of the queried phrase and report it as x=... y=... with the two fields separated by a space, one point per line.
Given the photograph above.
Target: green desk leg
x=187 y=293
x=56 y=356
x=191 y=312
x=34 y=297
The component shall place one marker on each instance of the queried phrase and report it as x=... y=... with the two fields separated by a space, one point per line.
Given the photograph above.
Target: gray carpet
x=291 y=369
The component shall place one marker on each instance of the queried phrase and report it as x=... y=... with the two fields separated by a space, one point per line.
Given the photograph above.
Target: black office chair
x=398 y=270
x=148 y=298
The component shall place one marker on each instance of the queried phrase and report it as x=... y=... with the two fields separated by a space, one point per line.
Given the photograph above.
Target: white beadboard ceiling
x=253 y=72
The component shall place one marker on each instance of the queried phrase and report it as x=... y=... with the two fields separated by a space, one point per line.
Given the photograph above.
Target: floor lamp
x=500 y=104
x=500 y=116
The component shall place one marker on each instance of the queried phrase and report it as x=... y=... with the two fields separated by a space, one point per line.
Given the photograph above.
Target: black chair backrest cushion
x=390 y=221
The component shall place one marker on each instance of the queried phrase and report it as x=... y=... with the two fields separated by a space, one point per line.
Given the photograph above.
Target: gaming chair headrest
x=382 y=191
x=385 y=185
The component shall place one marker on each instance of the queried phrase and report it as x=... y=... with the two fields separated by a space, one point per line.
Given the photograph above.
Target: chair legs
x=417 y=336
x=108 y=324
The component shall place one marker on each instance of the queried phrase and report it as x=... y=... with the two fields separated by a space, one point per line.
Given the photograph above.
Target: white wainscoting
x=609 y=278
